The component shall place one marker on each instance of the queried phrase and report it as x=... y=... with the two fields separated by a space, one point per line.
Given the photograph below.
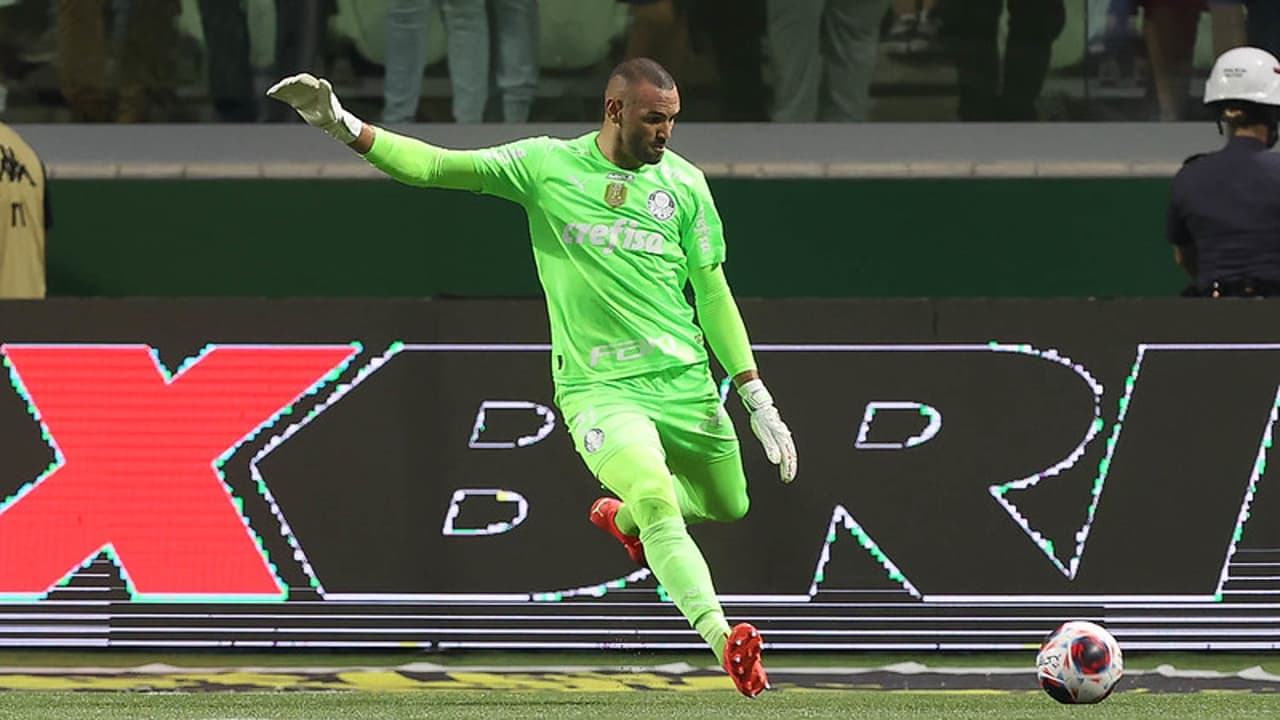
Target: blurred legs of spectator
x=735 y=30
x=973 y=27
x=146 y=68
x=1116 y=49
x=467 y=29
x=406 y=58
x=148 y=60
x=300 y=28
x=515 y=25
x=1169 y=27
x=1228 y=25
x=1034 y=25
x=824 y=52
x=8 y=51
x=658 y=30
x=226 y=36
x=903 y=29
x=914 y=28
x=82 y=60
x=467 y=35
x=1264 y=25
x=26 y=28
x=1119 y=21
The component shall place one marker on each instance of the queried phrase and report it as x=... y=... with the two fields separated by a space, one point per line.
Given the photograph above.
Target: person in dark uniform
x=1224 y=213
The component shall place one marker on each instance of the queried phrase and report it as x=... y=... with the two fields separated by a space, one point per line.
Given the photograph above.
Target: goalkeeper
x=619 y=224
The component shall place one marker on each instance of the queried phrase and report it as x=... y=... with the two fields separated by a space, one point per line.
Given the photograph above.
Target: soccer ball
x=1079 y=663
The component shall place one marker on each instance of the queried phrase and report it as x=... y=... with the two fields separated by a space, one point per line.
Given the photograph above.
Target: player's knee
x=731 y=509
x=649 y=509
x=728 y=500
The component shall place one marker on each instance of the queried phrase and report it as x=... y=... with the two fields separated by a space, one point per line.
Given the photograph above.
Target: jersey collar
x=599 y=157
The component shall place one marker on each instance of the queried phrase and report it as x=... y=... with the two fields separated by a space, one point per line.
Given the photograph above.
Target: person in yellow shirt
x=24 y=218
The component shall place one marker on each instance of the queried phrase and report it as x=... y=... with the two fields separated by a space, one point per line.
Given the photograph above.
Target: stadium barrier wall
x=394 y=473
x=907 y=237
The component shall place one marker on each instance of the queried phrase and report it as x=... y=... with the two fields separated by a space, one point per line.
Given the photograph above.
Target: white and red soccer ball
x=1079 y=663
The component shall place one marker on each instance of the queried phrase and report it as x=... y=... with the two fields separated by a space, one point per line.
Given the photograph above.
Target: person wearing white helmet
x=1224 y=213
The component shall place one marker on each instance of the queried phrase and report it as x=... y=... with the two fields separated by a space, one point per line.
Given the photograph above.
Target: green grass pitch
x=663 y=705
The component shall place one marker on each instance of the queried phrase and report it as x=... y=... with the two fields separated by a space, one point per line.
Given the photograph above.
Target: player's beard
x=641 y=148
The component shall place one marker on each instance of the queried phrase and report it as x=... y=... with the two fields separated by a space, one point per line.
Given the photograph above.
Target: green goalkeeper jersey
x=613 y=249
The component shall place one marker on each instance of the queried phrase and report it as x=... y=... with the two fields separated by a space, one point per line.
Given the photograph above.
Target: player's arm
x=702 y=238
x=722 y=324
x=415 y=162
x=405 y=159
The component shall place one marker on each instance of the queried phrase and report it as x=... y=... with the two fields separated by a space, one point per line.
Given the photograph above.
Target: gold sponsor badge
x=615 y=194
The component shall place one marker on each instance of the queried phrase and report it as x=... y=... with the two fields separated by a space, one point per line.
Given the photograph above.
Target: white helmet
x=1244 y=73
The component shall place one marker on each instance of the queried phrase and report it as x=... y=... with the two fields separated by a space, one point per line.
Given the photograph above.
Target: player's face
x=648 y=118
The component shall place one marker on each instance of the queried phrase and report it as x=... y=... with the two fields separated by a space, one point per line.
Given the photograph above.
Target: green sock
x=625 y=522
x=714 y=629
x=679 y=566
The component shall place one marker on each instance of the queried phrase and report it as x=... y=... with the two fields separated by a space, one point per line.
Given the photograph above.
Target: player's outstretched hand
x=767 y=424
x=314 y=100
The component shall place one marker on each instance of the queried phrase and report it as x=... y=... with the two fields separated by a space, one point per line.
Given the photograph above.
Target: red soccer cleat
x=603 y=515
x=742 y=660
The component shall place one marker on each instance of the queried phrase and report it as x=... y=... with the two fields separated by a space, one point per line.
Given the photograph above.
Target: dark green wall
x=798 y=238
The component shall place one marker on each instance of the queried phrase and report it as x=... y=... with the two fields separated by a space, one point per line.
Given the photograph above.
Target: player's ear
x=613 y=110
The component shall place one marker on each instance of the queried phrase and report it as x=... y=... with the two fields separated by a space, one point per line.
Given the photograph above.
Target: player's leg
x=638 y=474
x=716 y=488
x=706 y=489
x=600 y=422
x=618 y=441
x=702 y=449
x=699 y=497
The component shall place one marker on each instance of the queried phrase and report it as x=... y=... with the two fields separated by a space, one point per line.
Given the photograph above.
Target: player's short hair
x=643 y=69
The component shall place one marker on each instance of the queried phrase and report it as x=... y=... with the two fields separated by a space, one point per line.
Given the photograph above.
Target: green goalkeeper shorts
x=676 y=411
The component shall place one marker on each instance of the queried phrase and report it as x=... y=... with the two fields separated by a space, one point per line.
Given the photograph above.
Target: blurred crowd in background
x=474 y=61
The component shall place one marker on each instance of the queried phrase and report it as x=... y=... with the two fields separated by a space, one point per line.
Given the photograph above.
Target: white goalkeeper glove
x=314 y=100
x=769 y=428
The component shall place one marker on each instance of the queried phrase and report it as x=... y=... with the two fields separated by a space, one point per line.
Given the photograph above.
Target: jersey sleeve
x=703 y=235
x=421 y=164
x=720 y=319
x=513 y=171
